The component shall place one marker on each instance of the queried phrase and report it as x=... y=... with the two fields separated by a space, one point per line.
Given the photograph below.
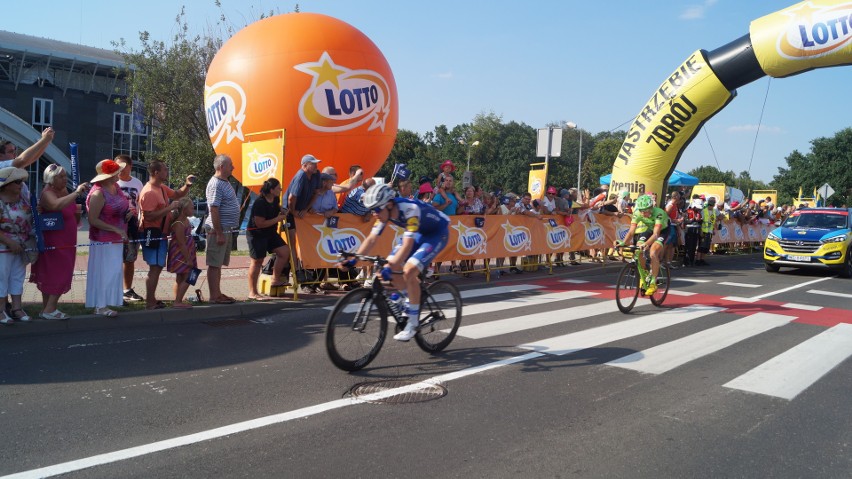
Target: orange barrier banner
x=320 y=241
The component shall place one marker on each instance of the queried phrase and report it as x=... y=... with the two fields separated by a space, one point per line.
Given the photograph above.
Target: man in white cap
x=303 y=187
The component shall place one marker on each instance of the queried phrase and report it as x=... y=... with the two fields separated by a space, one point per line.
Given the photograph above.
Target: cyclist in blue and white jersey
x=426 y=234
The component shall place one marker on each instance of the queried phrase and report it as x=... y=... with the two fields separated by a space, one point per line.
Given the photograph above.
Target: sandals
x=22 y=317
x=6 y=319
x=157 y=305
x=56 y=315
x=105 y=312
x=181 y=305
x=223 y=299
x=260 y=297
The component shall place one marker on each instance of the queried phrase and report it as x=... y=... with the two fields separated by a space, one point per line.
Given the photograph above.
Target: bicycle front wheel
x=356 y=329
x=440 y=316
x=663 y=280
x=627 y=288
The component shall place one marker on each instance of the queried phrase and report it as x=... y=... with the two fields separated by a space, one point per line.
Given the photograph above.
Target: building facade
x=79 y=91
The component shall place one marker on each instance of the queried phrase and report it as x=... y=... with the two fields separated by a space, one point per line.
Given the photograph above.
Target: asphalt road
x=529 y=390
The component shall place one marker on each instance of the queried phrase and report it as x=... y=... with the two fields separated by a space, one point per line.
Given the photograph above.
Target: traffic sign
x=826 y=190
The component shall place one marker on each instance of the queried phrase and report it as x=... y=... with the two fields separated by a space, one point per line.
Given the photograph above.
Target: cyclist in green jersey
x=650 y=225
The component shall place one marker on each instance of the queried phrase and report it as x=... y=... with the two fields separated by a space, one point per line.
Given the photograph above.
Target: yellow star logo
x=462 y=229
x=326 y=71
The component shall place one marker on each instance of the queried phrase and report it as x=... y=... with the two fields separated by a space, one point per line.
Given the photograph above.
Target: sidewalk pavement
x=234 y=284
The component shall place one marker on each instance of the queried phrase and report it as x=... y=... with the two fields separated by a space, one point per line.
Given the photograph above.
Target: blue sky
x=593 y=63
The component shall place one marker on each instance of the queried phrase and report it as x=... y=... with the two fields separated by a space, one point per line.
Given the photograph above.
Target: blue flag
x=75 y=170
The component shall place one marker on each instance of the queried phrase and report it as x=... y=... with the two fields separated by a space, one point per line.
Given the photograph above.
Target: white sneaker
x=409 y=332
x=368 y=283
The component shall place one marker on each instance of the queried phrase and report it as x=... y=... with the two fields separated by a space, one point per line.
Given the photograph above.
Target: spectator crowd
x=126 y=216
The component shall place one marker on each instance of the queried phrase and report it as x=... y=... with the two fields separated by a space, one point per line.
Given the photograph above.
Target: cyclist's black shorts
x=642 y=237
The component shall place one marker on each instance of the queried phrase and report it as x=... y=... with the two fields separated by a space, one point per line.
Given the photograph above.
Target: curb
x=248 y=310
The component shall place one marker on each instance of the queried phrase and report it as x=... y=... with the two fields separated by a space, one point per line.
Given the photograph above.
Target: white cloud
x=443 y=76
x=696 y=12
x=754 y=128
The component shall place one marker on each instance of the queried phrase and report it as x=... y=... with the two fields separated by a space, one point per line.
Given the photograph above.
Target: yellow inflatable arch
x=808 y=35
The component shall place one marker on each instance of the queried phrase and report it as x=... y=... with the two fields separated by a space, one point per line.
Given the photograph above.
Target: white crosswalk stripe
x=791 y=372
x=538 y=320
x=589 y=338
x=670 y=355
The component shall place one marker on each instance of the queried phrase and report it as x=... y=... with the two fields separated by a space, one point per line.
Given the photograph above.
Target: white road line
x=740 y=285
x=793 y=371
x=677 y=292
x=575 y=281
x=578 y=341
x=538 y=320
x=522 y=301
x=470 y=293
x=830 y=293
x=784 y=290
x=806 y=307
x=110 y=457
x=691 y=280
x=740 y=299
x=665 y=357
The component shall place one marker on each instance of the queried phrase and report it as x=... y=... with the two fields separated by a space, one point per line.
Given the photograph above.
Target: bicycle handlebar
x=373 y=259
x=627 y=247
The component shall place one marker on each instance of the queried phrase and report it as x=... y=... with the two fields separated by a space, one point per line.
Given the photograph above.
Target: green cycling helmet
x=644 y=202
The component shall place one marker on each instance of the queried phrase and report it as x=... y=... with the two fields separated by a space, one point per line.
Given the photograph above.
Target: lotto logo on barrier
x=594 y=234
x=334 y=241
x=225 y=106
x=470 y=240
x=724 y=233
x=341 y=99
x=621 y=230
x=558 y=236
x=516 y=238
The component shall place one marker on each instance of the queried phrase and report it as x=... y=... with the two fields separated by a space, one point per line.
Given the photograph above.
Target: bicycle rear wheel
x=356 y=329
x=440 y=316
x=627 y=288
x=663 y=279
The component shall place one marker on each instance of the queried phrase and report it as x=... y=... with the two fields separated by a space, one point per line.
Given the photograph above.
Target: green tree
x=827 y=162
x=711 y=174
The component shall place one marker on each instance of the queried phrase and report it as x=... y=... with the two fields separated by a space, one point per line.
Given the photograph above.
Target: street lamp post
x=573 y=125
x=466 y=178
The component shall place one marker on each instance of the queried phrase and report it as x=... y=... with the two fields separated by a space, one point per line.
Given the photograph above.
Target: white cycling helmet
x=377 y=196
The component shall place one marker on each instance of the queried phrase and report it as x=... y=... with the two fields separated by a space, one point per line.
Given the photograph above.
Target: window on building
x=42 y=113
x=128 y=140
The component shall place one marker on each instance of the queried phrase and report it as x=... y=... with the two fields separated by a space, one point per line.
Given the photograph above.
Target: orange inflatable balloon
x=318 y=78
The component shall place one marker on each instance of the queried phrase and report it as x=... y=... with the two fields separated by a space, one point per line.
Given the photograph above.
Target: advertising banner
x=319 y=241
x=666 y=124
x=262 y=160
x=802 y=37
x=536 y=183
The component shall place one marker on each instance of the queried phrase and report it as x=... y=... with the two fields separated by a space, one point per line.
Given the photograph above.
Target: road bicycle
x=632 y=275
x=357 y=326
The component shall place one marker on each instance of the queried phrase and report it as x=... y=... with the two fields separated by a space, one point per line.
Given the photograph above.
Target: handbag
x=30 y=253
x=194 y=273
x=269 y=266
x=53 y=221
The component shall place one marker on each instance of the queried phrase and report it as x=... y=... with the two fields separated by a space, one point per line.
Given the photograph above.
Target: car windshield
x=816 y=220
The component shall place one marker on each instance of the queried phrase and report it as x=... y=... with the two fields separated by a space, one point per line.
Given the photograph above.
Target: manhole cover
x=395 y=391
x=224 y=323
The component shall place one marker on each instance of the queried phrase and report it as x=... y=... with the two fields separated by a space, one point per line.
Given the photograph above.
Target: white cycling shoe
x=409 y=332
